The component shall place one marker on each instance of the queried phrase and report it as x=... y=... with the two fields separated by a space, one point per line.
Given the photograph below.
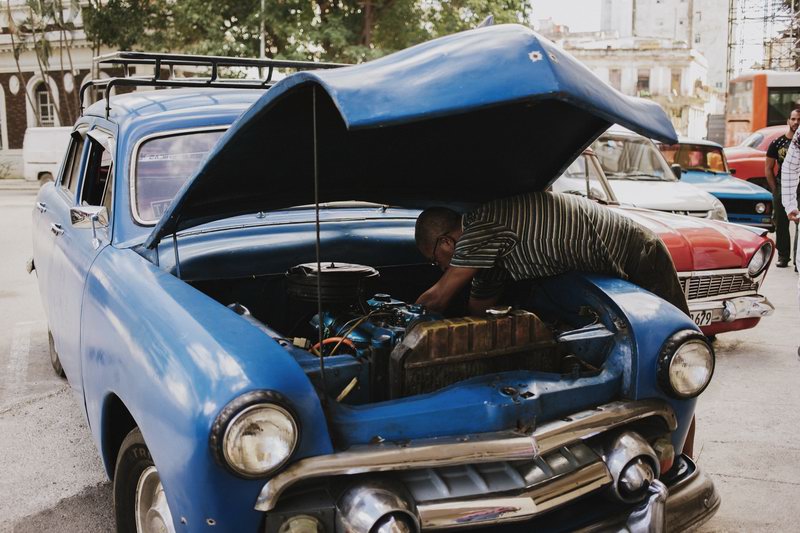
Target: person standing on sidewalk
x=777 y=153
x=789 y=190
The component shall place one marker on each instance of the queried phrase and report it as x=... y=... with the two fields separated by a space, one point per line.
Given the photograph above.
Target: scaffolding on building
x=763 y=35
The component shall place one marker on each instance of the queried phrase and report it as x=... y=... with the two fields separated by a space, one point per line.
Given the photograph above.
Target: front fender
x=175 y=358
x=651 y=321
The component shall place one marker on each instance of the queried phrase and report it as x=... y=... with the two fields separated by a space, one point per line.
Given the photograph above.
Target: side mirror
x=676 y=169
x=89 y=216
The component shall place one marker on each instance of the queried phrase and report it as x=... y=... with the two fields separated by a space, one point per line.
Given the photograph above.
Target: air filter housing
x=340 y=283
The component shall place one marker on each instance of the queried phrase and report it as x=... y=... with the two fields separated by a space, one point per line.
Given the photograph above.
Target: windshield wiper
x=637 y=175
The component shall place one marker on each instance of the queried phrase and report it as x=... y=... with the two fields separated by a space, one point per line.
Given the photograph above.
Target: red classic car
x=721 y=266
x=746 y=160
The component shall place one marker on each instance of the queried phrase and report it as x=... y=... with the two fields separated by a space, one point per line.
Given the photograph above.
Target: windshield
x=631 y=157
x=695 y=157
x=753 y=140
x=573 y=181
x=163 y=165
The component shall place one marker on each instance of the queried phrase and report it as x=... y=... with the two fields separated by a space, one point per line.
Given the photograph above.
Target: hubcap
x=152 y=511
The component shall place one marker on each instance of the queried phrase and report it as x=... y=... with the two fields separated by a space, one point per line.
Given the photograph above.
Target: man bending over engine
x=537 y=235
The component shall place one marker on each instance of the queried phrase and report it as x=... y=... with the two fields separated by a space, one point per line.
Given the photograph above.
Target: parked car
x=641 y=177
x=702 y=163
x=182 y=268
x=747 y=160
x=42 y=152
x=721 y=266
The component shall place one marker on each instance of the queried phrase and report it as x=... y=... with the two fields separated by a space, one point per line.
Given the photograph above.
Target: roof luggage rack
x=159 y=61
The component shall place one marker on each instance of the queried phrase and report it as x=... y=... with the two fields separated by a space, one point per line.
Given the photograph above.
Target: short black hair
x=432 y=224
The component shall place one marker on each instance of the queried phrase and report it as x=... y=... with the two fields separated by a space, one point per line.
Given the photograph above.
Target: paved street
x=53 y=480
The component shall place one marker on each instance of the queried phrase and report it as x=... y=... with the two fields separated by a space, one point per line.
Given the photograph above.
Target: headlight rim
x=233 y=410
x=668 y=352
x=763 y=206
x=767 y=256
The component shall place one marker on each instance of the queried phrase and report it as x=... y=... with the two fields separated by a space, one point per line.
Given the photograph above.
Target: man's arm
x=478 y=306
x=453 y=280
x=769 y=172
x=790 y=175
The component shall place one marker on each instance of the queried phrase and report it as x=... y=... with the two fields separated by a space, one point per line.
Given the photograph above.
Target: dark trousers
x=781 y=224
x=650 y=266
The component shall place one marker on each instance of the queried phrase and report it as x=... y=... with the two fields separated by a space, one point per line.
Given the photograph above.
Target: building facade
x=35 y=92
x=700 y=24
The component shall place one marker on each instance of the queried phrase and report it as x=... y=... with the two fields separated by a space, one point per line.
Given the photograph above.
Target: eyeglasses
x=434 y=262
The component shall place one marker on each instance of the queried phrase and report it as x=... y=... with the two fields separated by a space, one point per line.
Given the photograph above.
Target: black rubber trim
x=233 y=408
x=668 y=351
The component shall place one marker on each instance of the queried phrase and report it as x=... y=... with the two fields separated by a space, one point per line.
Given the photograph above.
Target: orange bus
x=759 y=99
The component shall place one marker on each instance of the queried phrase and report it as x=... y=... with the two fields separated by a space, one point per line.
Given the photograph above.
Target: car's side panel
x=44 y=215
x=175 y=358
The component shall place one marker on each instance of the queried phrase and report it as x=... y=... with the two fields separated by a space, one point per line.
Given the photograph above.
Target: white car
x=42 y=151
x=641 y=177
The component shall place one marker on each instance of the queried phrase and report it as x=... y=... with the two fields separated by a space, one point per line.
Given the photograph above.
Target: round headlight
x=686 y=364
x=761 y=208
x=259 y=439
x=760 y=260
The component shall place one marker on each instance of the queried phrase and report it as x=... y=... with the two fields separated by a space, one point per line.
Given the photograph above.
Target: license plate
x=701 y=318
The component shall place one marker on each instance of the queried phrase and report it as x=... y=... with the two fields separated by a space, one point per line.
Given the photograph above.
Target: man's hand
x=794 y=216
x=438 y=297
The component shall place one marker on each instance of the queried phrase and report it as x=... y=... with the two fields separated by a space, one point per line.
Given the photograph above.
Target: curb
x=18 y=185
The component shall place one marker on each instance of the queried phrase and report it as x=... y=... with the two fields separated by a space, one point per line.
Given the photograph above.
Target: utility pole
x=262 y=50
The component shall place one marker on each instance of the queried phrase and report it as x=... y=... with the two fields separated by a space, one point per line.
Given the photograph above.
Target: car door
x=77 y=247
x=51 y=211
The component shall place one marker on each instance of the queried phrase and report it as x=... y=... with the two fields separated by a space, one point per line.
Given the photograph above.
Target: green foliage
x=339 y=30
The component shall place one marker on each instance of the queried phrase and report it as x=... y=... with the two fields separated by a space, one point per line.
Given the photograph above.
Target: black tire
x=761 y=182
x=54 y=360
x=132 y=461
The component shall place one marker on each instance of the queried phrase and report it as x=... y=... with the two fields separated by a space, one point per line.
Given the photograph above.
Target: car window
x=695 y=157
x=631 y=157
x=573 y=181
x=753 y=140
x=98 y=181
x=72 y=165
x=163 y=165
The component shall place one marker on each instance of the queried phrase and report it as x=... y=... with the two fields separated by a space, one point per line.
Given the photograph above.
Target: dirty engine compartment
x=377 y=347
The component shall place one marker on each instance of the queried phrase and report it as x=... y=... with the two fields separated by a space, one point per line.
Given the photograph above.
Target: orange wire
x=331 y=340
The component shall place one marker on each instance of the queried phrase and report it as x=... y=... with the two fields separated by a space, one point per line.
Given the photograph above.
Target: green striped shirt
x=542 y=234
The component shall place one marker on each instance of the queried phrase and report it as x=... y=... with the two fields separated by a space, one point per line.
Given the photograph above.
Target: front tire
x=140 y=503
x=54 y=360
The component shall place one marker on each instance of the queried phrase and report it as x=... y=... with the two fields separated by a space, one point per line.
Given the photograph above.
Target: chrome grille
x=432 y=484
x=716 y=285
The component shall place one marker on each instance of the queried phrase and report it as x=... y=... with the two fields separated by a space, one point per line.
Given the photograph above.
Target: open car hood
x=473 y=116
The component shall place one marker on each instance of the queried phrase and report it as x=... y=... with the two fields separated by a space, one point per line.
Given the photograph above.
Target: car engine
x=378 y=347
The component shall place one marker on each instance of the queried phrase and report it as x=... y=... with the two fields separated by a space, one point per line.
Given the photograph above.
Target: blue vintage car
x=228 y=276
x=703 y=164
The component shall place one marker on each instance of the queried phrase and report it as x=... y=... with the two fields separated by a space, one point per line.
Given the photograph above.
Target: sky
x=579 y=15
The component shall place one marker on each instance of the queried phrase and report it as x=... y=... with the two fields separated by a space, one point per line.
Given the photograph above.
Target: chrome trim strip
x=466 y=449
x=138 y=145
x=702 y=273
x=528 y=503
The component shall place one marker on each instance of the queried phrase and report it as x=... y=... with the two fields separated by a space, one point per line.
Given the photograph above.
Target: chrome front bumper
x=505 y=478
x=465 y=450
x=690 y=502
x=733 y=309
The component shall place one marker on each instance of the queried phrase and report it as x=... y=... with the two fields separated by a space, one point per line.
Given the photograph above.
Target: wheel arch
x=117 y=422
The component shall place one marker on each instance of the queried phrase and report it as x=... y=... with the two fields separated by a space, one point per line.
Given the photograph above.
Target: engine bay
x=377 y=347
